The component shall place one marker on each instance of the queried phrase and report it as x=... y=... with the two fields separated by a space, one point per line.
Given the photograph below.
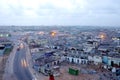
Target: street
x=20 y=67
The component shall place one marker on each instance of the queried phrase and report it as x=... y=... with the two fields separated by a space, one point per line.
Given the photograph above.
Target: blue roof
x=48 y=54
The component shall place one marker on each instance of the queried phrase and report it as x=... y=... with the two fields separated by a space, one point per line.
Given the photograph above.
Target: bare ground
x=3 y=60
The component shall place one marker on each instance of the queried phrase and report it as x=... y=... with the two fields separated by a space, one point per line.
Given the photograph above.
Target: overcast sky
x=60 y=12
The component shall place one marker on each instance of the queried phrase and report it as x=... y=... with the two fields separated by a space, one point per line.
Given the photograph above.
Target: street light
x=53 y=33
x=102 y=36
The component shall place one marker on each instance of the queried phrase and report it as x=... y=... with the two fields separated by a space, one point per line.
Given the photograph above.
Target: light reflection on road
x=24 y=63
x=21 y=45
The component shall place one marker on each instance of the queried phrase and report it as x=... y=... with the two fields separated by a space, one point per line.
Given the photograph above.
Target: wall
x=34 y=50
x=97 y=59
x=77 y=60
x=115 y=60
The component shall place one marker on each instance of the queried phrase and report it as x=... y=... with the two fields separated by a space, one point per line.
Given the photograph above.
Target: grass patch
x=3 y=61
x=8 y=50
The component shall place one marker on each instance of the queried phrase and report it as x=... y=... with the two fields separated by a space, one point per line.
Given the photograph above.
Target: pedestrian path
x=9 y=74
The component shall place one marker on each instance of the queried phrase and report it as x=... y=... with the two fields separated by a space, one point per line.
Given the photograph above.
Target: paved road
x=8 y=74
x=20 y=66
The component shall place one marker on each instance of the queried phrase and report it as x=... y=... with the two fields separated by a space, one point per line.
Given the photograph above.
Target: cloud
x=104 y=6
x=43 y=6
x=67 y=12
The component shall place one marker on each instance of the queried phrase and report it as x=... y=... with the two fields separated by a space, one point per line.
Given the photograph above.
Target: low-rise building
x=33 y=50
x=114 y=61
x=45 y=62
x=97 y=59
x=77 y=59
x=2 y=49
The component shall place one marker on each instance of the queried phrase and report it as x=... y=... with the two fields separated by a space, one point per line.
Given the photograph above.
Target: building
x=76 y=59
x=5 y=44
x=2 y=49
x=5 y=34
x=46 y=62
x=114 y=61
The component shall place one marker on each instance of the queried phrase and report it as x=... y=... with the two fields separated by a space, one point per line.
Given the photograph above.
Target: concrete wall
x=77 y=60
x=97 y=59
x=62 y=58
x=90 y=58
x=34 y=50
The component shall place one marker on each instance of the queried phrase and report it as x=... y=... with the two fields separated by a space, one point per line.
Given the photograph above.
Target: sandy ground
x=3 y=60
x=0 y=68
x=100 y=75
x=65 y=75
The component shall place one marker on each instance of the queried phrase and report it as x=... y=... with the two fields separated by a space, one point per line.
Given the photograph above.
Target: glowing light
x=24 y=63
x=41 y=32
x=21 y=45
x=53 y=33
x=102 y=35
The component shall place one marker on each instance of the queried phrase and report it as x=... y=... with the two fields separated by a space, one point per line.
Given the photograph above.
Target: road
x=20 y=67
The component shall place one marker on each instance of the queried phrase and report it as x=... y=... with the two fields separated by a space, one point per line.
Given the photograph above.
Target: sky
x=60 y=12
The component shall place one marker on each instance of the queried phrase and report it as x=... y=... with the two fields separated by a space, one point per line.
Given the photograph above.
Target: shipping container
x=73 y=71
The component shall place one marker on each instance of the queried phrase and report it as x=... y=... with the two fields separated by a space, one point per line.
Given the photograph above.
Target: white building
x=76 y=60
x=62 y=58
x=33 y=50
x=96 y=59
x=90 y=58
